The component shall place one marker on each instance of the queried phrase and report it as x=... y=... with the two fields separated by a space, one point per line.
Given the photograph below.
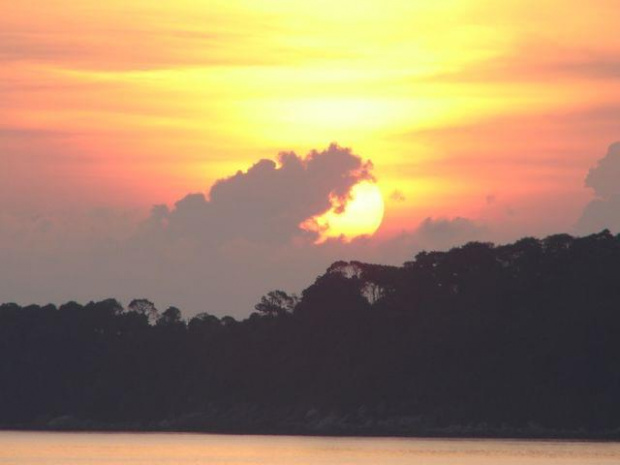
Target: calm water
x=169 y=449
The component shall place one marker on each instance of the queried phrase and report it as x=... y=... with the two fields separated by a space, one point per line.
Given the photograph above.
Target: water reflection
x=168 y=449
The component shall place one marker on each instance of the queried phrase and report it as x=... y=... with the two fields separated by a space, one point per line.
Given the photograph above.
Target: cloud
x=431 y=234
x=600 y=214
x=603 y=212
x=551 y=61
x=444 y=233
x=599 y=67
x=53 y=46
x=220 y=252
x=268 y=202
x=605 y=176
x=216 y=252
x=107 y=42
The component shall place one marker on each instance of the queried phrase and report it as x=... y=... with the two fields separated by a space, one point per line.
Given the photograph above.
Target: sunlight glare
x=362 y=215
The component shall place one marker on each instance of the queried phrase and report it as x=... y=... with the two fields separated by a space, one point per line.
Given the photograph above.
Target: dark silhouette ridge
x=483 y=340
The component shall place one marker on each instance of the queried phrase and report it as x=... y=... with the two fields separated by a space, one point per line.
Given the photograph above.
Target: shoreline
x=612 y=436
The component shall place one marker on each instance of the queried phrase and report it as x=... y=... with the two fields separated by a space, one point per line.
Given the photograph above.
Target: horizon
x=338 y=266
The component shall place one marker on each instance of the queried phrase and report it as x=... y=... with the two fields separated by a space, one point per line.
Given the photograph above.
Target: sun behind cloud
x=361 y=215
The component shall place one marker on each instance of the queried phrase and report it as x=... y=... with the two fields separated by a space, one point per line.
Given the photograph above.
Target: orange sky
x=466 y=108
x=482 y=119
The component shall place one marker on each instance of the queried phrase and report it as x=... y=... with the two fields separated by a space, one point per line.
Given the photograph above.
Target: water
x=172 y=449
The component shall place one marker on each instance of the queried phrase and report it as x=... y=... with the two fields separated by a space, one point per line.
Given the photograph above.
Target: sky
x=180 y=150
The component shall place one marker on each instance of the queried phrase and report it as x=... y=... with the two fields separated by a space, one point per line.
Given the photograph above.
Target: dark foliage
x=507 y=336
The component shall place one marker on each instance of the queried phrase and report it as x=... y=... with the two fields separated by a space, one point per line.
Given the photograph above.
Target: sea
x=42 y=448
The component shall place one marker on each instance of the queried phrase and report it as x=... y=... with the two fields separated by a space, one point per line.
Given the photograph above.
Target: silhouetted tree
x=504 y=336
x=144 y=307
x=170 y=317
x=276 y=303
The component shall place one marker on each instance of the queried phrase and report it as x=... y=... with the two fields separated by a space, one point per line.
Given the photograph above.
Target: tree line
x=514 y=337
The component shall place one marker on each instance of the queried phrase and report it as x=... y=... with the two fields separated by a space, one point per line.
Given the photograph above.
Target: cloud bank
x=603 y=212
x=267 y=203
x=216 y=252
x=220 y=251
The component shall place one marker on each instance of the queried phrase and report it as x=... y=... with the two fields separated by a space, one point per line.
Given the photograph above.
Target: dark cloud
x=604 y=178
x=218 y=252
x=443 y=233
x=600 y=214
x=431 y=234
x=268 y=202
x=603 y=212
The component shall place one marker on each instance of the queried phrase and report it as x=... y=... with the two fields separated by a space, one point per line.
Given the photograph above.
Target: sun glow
x=362 y=215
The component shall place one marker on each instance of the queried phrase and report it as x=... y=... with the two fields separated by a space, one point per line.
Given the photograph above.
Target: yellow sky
x=455 y=102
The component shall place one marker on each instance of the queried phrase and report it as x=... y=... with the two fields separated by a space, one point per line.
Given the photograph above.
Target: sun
x=362 y=215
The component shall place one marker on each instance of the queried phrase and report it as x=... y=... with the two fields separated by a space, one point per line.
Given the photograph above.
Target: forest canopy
x=519 y=338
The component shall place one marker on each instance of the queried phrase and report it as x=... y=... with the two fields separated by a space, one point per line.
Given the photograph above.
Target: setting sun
x=362 y=215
